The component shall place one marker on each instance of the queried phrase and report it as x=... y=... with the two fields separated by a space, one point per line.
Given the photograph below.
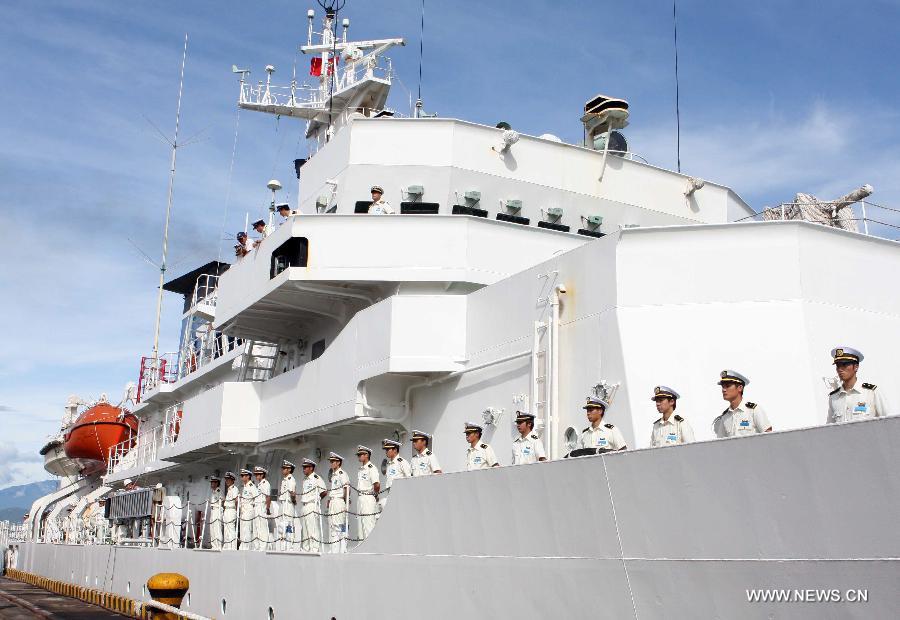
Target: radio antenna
x=677 y=106
x=165 y=248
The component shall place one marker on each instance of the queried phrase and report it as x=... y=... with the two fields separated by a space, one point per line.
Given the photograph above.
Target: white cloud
x=19 y=466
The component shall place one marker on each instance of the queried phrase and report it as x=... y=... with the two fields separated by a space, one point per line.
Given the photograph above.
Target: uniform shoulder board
x=751 y=405
x=721 y=414
x=427 y=452
x=609 y=426
x=484 y=446
x=399 y=458
x=315 y=475
x=658 y=421
x=369 y=465
x=586 y=430
x=534 y=436
x=678 y=418
x=869 y=386
x=835 y=391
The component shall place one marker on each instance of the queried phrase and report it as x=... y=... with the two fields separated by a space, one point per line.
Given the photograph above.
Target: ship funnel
x=602 y=116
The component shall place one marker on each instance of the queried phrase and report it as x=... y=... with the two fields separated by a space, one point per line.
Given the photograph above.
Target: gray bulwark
x=819 y=493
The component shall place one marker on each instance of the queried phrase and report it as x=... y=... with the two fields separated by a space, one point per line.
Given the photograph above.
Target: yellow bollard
x=168 y=588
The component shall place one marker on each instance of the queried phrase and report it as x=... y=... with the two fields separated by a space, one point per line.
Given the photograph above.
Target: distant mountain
x=22 y=496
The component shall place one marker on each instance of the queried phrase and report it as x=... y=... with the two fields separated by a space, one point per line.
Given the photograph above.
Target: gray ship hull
x=682 y=532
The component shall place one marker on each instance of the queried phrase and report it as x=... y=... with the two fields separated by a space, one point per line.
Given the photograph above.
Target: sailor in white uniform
x=245 y=509
x=379 y=206
x=311 y=493
x=262 y=504
x=287 y=502
x=284 y=210
x=599 y=435
x=338 y=499
x=368 y=484
x=479 y=455
x=853 y=400
x=397 y=467
x=741 y=418
x=230 y=513
x=423 y=462
x=215 y=513
x=527 y=446
x=671 y=428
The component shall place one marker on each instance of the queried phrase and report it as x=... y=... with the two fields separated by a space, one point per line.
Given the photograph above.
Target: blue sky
x=776 y=98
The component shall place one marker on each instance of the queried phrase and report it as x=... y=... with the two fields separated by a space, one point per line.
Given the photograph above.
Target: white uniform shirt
x=604 y=436
x=861 y=402
x=382 y=207
x=288 y=486
x=527 y=449
x=366 y=478
x=313 y=485
x=745 y=419
x=231 y=496
x=398 y=468
x=264 y=490
x=215 y=500
x=670 y=432
x=248 y=495
x=424 y=463
x=339 y=481
x=480 y=457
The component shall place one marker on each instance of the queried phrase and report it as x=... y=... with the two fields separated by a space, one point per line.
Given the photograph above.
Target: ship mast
x=165 y=246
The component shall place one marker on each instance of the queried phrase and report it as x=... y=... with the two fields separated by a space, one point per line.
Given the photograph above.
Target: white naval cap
x=334 y=456
x=665 y=392
x=596 y=403
x=260 y=470
x=846 y=354
x=230 y=474
x=389 y=443
x=246 y=472
x=361 y=449
x=472 y=427
x=309 y=463
x=215 y=479
x=287 y=463
x=419 y=435
x=733 y=376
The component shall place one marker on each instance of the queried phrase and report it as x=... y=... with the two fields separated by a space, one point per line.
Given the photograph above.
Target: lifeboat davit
x=97 y=430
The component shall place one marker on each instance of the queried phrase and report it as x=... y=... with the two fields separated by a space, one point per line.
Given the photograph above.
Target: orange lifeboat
x=97 y=430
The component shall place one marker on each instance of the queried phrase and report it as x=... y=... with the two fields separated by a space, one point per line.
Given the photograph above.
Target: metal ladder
x=259 y=361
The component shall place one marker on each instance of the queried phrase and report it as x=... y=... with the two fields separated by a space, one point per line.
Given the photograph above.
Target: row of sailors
x=298 y=525
x=245 y=245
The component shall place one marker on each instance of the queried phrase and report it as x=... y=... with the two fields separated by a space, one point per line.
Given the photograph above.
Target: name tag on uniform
x=423 y=466
x=392 y=472
x=477 y=460
x=601 y=442
x=745 y=425
x=860 y=408
x=671 y=438
x=526 y=450
x=364 y=475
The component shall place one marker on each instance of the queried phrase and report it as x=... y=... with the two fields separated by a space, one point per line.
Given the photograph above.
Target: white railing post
x=864 y=218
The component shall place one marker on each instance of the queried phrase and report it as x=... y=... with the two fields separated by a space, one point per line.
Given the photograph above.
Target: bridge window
x=292 y=253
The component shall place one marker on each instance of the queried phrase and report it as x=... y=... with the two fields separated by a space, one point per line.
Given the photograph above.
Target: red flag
x=315 y=66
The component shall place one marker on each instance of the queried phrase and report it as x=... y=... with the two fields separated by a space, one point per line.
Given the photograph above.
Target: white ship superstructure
x=519 y=273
